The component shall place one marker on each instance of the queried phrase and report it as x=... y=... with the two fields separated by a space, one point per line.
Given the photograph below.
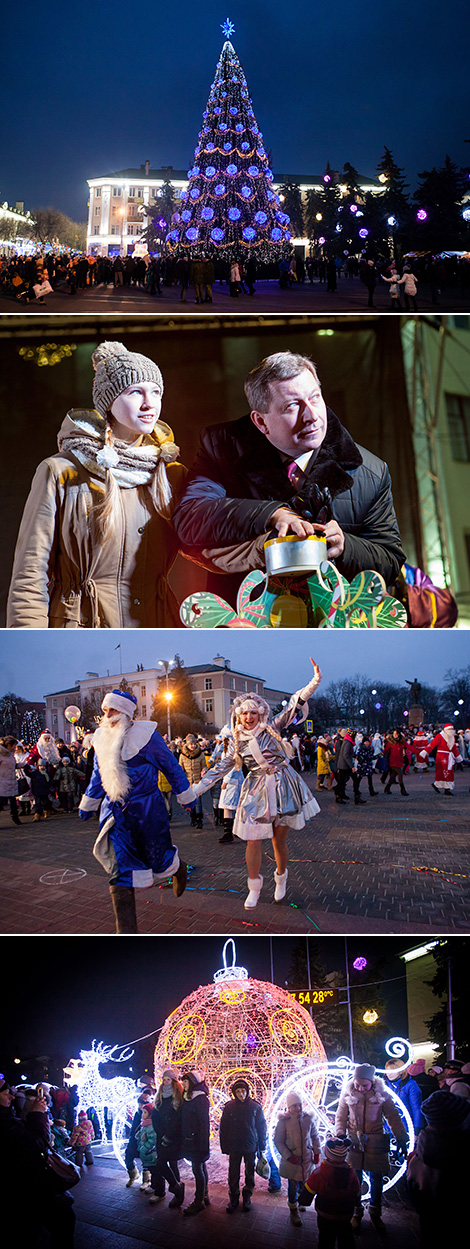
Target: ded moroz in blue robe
x=134 y=844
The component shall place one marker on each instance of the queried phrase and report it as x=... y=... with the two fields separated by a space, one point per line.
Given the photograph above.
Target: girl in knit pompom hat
x=273 y=797
x=96 y=545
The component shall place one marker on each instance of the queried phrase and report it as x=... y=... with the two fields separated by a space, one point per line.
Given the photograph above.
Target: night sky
x=37 y=662
x=89 y=90
x=63 y=994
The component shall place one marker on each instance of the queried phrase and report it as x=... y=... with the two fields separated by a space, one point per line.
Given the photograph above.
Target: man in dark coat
x=289 y=466
x=242 y=1136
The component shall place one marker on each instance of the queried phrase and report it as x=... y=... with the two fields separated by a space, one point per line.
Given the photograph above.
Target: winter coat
x=323 y=760
x=147 y=1144
x=193 y=762
x=410 y=283
x=365 y=760
x=459 y=1087
x=346 y=759
x=8 y=781
x=167 y=1123
x=242 y=1127
x=83 y=1133
x=67 y=778
x=361 y=1117
x=195 y=1125
x=63 y=577
x=288 y=1135
x=40 y=784
x=239 y=479
x=395 y=752
x=411 y=1096
x=337 y=1190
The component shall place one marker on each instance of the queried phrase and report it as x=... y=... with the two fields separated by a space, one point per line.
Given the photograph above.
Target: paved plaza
x=350 y=296
x=394 y=865
x=110 y=1216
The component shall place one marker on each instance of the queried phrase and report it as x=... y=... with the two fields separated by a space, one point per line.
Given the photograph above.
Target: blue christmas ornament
x=207 y=214
x=220 y=189
x=249 y=233
x=194 y=192
x=276 y=234
x=217 y=234
x=217 y=112
x=232 y=170
x=227 y=147
x=245 y=146
x=223 y=125
x=247 y=192
x=186 y=216
x=261 y=218
x=239 y=127
x=192 y=234
x=234 y=214
x=233 y=111
x=210 y=147
x=210 y=171
x=253 y=171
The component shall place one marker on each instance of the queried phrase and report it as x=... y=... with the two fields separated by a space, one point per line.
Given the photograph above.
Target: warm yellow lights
x=370 y=1016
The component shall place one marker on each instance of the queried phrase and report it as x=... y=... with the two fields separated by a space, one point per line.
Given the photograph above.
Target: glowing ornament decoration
x=72 y=714
x=360 y=963
x=228 y=29
x=238 y=1027
x=363 y=233
x=421 y=214
x=466 y=214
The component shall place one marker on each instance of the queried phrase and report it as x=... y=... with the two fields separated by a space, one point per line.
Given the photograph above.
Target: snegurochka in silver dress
x=274 y=797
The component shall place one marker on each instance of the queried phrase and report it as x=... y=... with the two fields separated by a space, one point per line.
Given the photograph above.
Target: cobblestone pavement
x=351 y=296
x=110 y=1216
x=394 y=865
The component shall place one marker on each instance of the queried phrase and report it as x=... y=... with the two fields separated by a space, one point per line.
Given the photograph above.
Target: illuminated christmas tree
x=230 y=207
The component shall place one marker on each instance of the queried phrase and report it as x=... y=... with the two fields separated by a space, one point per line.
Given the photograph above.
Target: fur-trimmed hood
x=378 y=1093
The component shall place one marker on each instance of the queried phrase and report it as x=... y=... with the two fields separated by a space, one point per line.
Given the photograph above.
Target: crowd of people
x=368 y=1137
x=23 y=277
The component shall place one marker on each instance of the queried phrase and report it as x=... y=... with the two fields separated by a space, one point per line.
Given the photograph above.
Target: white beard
x=108 y=742
x=49 y=752
x=449 y=737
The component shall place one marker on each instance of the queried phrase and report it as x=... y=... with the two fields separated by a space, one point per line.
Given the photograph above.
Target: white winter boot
x=255 y=886
x=281 y=886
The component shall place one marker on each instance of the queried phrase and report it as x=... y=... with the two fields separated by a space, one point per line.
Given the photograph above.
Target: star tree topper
x=227 y=28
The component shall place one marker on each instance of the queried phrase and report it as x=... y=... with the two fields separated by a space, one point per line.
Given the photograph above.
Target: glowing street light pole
x=167 y=664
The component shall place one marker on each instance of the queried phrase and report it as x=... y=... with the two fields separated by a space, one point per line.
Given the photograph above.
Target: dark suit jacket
x=239 y=479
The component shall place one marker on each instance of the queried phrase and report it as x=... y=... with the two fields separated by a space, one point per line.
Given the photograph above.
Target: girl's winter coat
x=193 y=761
x=64 y=576
x=8 y=781
x=195 y=1125
x=147 y=1143
x=167 y=1122
x=361 y=1117
x=300 y=1138
x=83 y=1133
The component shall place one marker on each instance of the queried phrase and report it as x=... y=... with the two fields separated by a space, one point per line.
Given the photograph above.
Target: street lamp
x=166 y=664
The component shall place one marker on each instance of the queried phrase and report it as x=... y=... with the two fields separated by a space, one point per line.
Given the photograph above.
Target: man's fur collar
x=337 y=457
x=191 y=752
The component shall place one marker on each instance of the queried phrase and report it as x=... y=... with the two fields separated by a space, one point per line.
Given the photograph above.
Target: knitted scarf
x=83 y=435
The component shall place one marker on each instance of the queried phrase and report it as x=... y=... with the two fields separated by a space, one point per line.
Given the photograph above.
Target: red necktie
x=295 y=474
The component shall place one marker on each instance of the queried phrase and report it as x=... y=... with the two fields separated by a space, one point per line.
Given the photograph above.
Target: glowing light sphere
x=192 y=234
x=217 y=234
x=391 y=221
x=207 y=214
x=421 y=214
x=326 y=177
x=322 y=239
x=240 y=1027
x=363 y=233
x=220 y=189
x=186 y=215
x=246 y=192
x=72 y=714
x=234 y=214
x=377 y=706
x=466 y=214
x=370 y=1016
x=210 y=171
x=232 y=170
x=276 y=234
x=353 y=208
x=360 y=963
x=249 y=233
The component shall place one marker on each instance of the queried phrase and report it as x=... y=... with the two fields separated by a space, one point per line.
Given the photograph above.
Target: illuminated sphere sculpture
x=239 y=1027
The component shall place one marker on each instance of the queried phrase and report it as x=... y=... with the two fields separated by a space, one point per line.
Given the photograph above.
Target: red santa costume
x=420 y=743
x=46 y=749
x=447 y=754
